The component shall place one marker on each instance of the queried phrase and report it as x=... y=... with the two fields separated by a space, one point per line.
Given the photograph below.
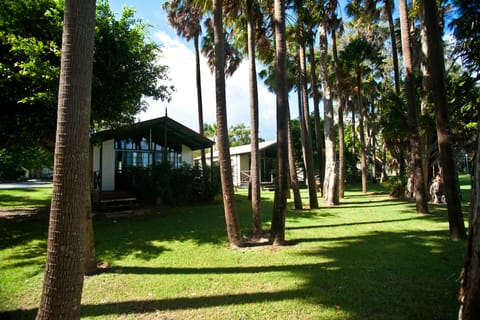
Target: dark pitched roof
x=176 y=133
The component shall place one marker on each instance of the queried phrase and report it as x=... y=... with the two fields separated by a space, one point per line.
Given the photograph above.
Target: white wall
x=187 y=155
x=108 y=166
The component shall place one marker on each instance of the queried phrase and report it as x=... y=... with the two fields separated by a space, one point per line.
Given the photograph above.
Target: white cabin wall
x=108 y=166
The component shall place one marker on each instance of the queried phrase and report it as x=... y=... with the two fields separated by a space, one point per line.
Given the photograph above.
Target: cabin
x=118 y=152
x=240 y=159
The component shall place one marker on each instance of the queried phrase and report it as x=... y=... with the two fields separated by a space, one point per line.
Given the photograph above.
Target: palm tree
x=330 y=188
x=63 y=280
x=391 y=27
x=255 y=153
x=277 y=232
x=359 y=54
x=231 y=217
x=251 y=11
x=341 y=106
x=416 y=157
x=186 y=19
x=437 y=71
x=269 y=79
x=302 y=36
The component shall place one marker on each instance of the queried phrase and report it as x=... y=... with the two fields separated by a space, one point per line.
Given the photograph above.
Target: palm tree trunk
x=470 y=284
x=391 y=26
x=255 y=154
x=316 y=114
x=373 y=136
x=426 y=136
x=341 y=129
x=416 y=157
x=330 y=185
x=354 y=153
x=297 y=200
x=312 y=188
x=199 y=98
x=277 y=232
x=90 y=259
x=64 y=271
x=231 y=218
x=361 y=129
x=437 y=72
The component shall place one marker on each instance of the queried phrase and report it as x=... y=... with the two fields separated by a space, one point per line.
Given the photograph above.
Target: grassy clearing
x=25 y=198
x=370 y=258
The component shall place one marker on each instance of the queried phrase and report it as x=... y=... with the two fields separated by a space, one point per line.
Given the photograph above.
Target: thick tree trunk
x=470 y=284
x=437 y=71
x=309 y=167
x=63 y=280
x=199 y=99
x=231 y=218
x=277 y=232
x=416 y=158
x=330 y=185
x=255 y=154
x=425 y=135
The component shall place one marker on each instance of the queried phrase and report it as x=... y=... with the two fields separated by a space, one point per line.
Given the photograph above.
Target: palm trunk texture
x=64 y=271
x=277 y=232
x=231 y=218
x=437 y=75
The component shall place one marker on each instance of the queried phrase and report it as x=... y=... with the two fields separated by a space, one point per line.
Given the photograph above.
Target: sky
x=178 y=55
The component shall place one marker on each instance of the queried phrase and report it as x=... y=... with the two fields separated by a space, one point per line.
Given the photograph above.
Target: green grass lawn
x=25 y=198
x=372 y=257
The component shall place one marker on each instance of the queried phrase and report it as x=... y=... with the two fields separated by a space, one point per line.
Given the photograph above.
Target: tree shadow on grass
x=348 y=224
x=379 y=275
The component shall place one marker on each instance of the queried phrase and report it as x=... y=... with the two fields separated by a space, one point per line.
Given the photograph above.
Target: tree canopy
x=126 y=69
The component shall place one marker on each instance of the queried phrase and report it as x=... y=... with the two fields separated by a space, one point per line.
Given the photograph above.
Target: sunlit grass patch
x=25 y=198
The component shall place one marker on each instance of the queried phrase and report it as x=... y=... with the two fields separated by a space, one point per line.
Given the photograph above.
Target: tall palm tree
x=330 y=189
x=341 y=107
x=186 y=18
x=277 y=232
x=250 y=9
x=359 y=54
x=255 y=153
x=416 y=157
x=63 y=280
x=269 y=79
x=437 y=71
x=302 y=36
x=231 y=217
x=316 y=111
x=391 y=27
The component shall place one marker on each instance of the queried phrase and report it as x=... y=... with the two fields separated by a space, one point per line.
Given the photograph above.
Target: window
x=138 y=153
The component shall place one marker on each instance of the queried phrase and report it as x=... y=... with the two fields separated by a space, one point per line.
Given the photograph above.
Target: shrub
x=396 y=185
x=176 y=186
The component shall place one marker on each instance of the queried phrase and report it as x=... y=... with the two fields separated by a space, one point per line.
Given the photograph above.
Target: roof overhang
x=161 y=130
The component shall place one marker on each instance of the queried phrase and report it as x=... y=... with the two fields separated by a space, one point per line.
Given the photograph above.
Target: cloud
x=179 y=57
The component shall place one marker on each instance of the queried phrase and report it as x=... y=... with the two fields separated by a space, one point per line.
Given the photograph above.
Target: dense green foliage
x=466 y=27
x=125 y=70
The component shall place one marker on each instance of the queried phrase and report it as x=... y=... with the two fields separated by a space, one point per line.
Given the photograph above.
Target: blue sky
x=179 y=56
